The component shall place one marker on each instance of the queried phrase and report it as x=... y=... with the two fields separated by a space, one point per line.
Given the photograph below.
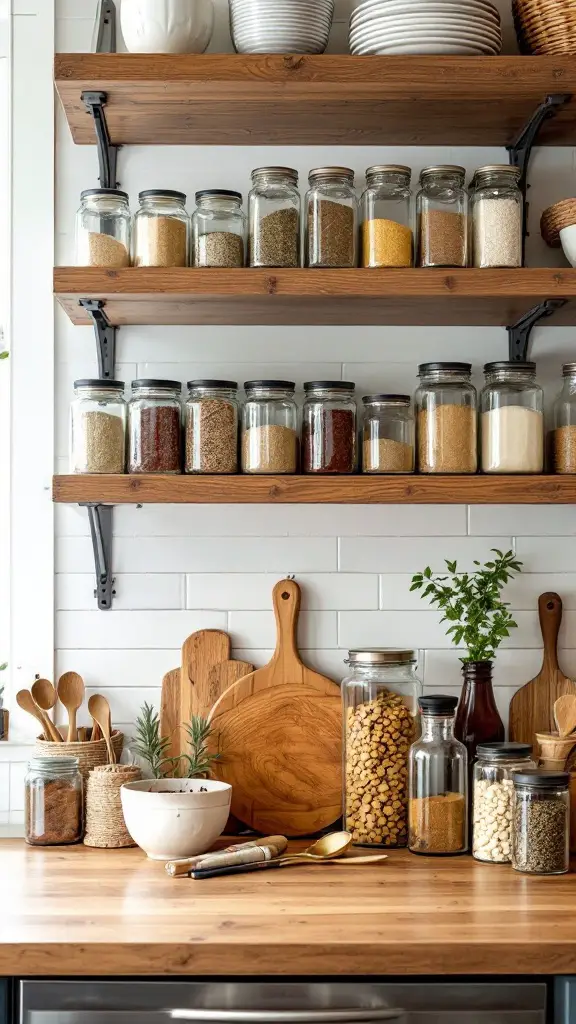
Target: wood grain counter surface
x=76 y=911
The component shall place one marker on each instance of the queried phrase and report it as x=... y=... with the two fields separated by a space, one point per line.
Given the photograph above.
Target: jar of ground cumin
x=161 y=229
x=53 y=802
x=154 y=427
x=442 y=217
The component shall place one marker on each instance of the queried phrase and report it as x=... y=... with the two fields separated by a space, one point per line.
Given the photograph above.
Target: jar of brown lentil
x=269 y=427
x=211 y=417
x=331 y=218
x=329 y=427
x=563 y=447
x=154 y=427
x=274 y=218
x=53 y=801
x=161 y=229
x=442 y=217
x=388 y=434
x=446 y=426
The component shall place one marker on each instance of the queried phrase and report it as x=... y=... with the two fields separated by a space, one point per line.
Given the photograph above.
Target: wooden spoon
x=99 y=708
x=45 y=697
x=71 y=693
x=25 y=700
x=565 y=714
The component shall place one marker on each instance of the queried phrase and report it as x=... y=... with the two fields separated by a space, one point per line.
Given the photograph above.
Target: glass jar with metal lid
x=154 y=426
x=53 y=801
x=212 y=426
x=493 y=792
x=329 y=427
x=269 y=427
x=387 y=239
x=218 y=229
x=563 y=446
x=103 y=229
x=331 y=218
x=496 y=211
x=442 y=217
x=274 y=218
x=438 y=782
x=446 y=418
x=388 y=434
x=161 y=229
x=380 y=715
x=541 y=822
x=98 y=427
x=512 y=419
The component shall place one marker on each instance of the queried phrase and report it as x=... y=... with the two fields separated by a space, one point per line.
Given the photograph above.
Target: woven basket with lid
x=89 y=754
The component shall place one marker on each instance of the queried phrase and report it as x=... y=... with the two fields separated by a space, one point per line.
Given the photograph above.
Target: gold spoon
x=71 y=693
x=327 y=848
x=99 y=709
x=45 y=697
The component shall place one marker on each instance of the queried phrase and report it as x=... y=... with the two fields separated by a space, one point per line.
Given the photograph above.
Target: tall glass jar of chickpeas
x=380 y=716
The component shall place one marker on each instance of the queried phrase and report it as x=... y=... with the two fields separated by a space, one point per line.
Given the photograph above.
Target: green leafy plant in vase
x=153 y=748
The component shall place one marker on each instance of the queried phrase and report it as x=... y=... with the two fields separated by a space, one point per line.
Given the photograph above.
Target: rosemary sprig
x=199 y=760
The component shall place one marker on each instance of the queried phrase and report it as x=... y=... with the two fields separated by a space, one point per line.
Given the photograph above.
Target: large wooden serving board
x=279 y=733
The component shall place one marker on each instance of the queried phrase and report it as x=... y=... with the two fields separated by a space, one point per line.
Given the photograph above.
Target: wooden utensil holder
x=553 y=747
x=89 y=755
x=105 y=825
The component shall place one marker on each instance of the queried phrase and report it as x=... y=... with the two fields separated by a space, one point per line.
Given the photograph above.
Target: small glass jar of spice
x=442 y=217
x=329 y=427
x=563 y=447
x=103 y=229
x=274 y=218
x=331 y=218
x=438 y=782
x=98 y=427
x=446 y=418
x=53 y=801
x=212 y=426
x=388 y=434
x=218 y=229
x=154 y=427
x=269 y=427
x=161 y=229
x=541 y=822
x=386 y=218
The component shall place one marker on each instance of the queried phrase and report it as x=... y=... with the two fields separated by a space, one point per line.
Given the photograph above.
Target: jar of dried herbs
x=442 y=217
x=53 y=802
x=218 y=229
x=331 y=218
x=211 y=427
x=541 y=822
x=161 y=229
x=154 y=427
x=98 y=427
x=274 y=218
x=329 y=427
x=103 y=229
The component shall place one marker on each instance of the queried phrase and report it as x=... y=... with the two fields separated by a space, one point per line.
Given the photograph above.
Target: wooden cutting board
x=170 y=711
x=279 y=733
x=532 y=707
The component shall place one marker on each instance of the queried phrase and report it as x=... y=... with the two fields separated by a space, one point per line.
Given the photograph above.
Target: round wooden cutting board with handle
x=279 y=734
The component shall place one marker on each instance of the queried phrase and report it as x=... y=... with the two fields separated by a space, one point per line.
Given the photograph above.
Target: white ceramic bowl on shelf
x=167 y=26
x=280 y=26
x=568 y=242
x=175 y=818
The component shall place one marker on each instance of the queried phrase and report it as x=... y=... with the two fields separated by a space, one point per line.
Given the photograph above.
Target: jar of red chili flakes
x=329 y=427
x=154 y=427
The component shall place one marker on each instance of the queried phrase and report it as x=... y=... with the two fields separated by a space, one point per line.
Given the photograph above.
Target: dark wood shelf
x=414 y=297
x=238 y=99
x=348 y=490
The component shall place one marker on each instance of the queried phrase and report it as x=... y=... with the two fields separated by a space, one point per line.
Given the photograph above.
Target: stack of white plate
x=281 y=26
x=470 y=27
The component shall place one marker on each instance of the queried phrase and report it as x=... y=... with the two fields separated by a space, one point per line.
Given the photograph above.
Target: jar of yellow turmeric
x=387 y=239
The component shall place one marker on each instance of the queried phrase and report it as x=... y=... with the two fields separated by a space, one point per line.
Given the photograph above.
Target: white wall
x=182 y=568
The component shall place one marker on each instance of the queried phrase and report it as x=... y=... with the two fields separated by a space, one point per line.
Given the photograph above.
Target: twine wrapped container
x=89 y=755
x=545 y=26
x=105 y=826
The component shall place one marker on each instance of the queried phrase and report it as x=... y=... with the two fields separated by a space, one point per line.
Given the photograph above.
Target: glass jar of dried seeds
x=541 y=822
x=53 y=801
x=496 y=214
x=161 y=229
x=388 y=434
x=218 y=229
x=446 y=418
x=98 y=427
x=493 y=793
x=331 y=218
x=212 y=426
x=512 y=419
x=329 y=427
x=563 y=447
x=154 y=427
x=387 y=239
x=274 y=218
x=269 y=427
x=103 y=229
x=442 y=217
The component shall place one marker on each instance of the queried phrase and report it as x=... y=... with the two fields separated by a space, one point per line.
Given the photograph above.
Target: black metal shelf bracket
x=519 y=333
x=105 y=337
x=107 y=153
x=100 y=519
x=105 y=29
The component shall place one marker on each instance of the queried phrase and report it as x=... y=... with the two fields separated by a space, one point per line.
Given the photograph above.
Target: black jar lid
x=156 y=382
x=538 y=779
x=438 y=704
x=218 y=193
x=162 y=193
x=503 y=751
x=511 y=366
x=270 y=385
x=456 y=367
x=400 y=399
x=207 y=382
x=103 y=192
x=329 y=385
x=102 y=385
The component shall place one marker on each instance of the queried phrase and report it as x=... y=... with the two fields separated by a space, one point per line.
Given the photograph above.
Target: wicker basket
x=105 y=825
x=89 y=755
x=556 y=217
x=545 y=26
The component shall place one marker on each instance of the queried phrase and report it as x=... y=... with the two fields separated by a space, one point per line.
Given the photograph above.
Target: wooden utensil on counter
x=25 y=700
x=71 y=693
x=45 y=697
x=565 y=714
x=278 y=731
x=532 y=707
x=99 y=709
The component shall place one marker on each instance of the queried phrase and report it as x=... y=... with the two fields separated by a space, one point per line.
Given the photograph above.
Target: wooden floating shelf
x=238 y=99
x=347 y=490
x=413 y=297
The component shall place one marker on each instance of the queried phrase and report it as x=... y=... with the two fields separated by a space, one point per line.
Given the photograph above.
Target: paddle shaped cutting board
x=532 y=707
x=279 y=734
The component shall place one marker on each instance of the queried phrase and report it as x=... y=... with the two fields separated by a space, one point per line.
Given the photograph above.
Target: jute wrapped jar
x=105 y=825
x=89 y=754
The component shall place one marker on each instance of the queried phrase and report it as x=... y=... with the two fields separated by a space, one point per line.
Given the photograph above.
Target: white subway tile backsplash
x=423 y=629
x=547 y=554
x=125 y=667
x=522 y=520
x=4 y=787
x=17 y=773
x=239 y=592
x=521 y=593
x=258 y=629
x=145 y=590
x=136 y=629
x=413 y=554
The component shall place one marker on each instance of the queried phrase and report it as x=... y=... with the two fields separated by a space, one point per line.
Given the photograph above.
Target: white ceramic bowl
x=167 y=823
x=568 y=240
x=167 y=26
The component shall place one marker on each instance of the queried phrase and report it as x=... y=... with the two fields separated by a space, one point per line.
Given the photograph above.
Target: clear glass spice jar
x=493 y=792
x=161 y=229
x=154 y=427
x=274 y=218
x=563 y=441
x=53 y=802
x=331 y=218
x=387 y=239
x=496 y=212
x=541 y=822
x=103 y=229
x=218 y=229
x=329 y=427
x=380 y=717
x=512 y=419
x=98 y=427
x=446 y=418
x=442 y=217
x=211 y=431
x=388 y=434
x=269 y=427
x=438 y=782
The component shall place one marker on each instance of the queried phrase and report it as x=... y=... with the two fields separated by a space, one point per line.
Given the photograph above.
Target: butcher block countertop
x=77 y=911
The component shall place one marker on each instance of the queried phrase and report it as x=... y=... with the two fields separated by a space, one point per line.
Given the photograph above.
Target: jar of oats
x=380 y=698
